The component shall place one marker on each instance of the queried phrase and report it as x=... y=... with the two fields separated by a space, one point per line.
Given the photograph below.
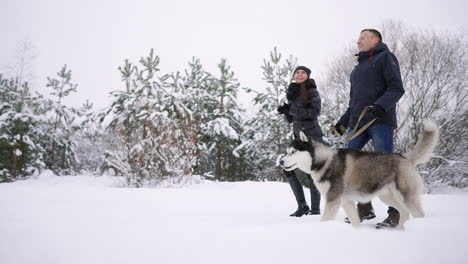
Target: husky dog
x=344 y=176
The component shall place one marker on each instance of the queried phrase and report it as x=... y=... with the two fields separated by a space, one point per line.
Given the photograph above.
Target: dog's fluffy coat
x=344 y=176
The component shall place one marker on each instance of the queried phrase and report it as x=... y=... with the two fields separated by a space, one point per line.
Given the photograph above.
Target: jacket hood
x=294 y=91
x=310 y=83
x=379 y=48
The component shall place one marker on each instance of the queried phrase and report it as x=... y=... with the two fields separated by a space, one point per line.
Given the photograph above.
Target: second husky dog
x=344 y=176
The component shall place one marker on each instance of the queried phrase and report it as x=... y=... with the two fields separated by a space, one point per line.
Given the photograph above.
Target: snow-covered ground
x=85 y=219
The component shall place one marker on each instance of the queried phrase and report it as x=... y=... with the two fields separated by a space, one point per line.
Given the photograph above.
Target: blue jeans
x=381 y=135
x=382 y=139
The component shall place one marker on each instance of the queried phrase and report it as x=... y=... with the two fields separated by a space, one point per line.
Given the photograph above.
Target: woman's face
x=300 y=76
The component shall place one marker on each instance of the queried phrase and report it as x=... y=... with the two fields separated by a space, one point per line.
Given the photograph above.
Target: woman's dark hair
x=304 y=94
x=374 y=32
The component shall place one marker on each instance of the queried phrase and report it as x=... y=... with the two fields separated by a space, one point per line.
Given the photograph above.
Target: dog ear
x=303 y=137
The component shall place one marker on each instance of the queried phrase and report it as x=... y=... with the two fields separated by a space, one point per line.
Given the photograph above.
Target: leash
x=355 y=133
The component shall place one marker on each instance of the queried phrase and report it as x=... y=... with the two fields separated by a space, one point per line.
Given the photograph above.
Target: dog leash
x=355 y=133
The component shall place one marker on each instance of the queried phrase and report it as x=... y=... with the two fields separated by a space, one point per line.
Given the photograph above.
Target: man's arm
x=394 y=84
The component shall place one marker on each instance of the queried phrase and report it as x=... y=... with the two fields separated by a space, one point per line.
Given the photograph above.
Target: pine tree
x=20 y=131
x=198 y=87
x=150 y=123
x=91 y=141
x=221 y=132
x=268 y=132
x=195 y=86
x=60 y=157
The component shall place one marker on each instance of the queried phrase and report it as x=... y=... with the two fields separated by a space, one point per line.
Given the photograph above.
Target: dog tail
x=425 y=145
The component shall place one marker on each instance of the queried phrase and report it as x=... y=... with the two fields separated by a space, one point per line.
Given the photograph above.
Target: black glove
x=284 y=109
x=307 y=118
x=376 y=110
x=338 y=129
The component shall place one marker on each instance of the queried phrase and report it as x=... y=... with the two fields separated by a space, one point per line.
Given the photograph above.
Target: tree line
x=189 y=125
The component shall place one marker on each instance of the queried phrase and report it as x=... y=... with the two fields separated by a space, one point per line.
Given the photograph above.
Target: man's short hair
x=374 y=32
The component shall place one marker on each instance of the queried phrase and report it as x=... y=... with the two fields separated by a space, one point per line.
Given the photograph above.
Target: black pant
x=298 y=191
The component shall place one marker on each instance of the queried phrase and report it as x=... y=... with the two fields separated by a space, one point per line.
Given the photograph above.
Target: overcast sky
x=94 y=37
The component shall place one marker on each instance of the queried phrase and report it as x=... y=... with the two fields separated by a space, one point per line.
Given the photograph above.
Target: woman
x=303 y=109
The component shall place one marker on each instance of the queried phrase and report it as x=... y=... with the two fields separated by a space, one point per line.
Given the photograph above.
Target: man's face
x=367 y=41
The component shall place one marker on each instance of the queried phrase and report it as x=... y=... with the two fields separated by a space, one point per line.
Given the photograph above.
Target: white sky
x=94 y=37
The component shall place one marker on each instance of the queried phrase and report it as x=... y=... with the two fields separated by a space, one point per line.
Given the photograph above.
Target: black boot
x=301 y=210
x=365 y=212
x=296 y=186
x=314 y=198
x=392 y=221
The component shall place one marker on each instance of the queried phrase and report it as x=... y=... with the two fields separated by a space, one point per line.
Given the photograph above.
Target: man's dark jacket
x=375 y=80
x=305 y=116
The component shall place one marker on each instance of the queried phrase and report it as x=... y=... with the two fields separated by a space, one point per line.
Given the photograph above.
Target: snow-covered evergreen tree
x=181 y=154
x=268 y=132
x=223 y=127
x=91 y=141
x=195 y=85
x=21 y=153
x=152 y=127
x=58 y=142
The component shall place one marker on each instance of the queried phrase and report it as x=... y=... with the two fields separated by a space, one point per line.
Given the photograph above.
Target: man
x=375 y=82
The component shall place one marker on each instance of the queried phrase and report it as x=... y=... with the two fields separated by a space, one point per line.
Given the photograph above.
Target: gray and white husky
x=344 y=176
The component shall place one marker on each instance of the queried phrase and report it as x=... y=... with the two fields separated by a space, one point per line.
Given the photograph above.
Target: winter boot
x=314 y=198
x=392 y=221
x=365 y=212
x=301 y=210
x=296 y=186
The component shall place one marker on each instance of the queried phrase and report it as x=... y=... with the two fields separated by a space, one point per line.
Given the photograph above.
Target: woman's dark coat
x=305 y=116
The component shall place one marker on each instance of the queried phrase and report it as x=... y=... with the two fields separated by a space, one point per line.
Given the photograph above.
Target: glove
x=376 y=110
x=338 y=129
x=284 y=109
x=307 y=118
